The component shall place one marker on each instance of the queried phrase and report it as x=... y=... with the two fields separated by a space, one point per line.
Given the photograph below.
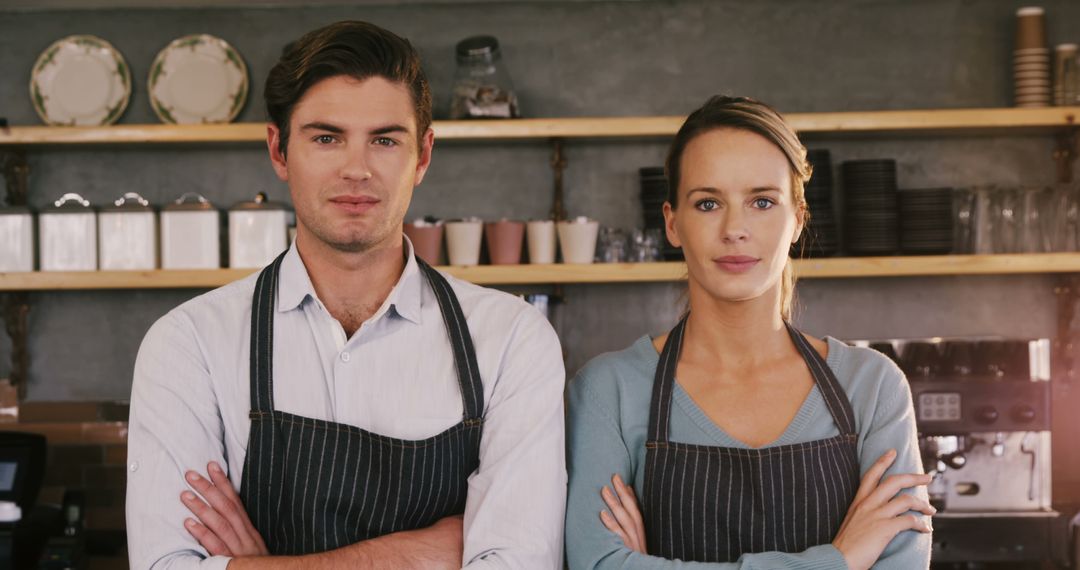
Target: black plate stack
x=871 y=214
x=654 y=188
x=926 y=221
x=821 y=238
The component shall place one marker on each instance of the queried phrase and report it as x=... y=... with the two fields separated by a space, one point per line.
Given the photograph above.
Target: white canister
x=67 y=232
x=190 y=234
x=258 y=232
x=463 y=239
x=16 y=239
x=127 y=234
x=541 y=237
x=578 y=239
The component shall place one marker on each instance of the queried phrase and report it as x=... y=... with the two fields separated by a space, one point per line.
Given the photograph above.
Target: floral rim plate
x=80 y=80
x=198 y=79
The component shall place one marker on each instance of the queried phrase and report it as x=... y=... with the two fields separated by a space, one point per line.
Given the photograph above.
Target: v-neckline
x=795 y=427
x=810 y=406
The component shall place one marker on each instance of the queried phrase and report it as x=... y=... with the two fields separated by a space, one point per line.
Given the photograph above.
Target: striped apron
x=714 y=504
x=313 y=485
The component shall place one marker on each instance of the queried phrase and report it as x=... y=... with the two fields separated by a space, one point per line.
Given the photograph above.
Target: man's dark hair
x=356 y=49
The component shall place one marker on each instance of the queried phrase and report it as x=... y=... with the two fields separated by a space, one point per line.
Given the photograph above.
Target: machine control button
x=986 y=415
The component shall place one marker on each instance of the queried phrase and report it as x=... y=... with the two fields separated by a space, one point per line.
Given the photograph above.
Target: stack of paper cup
x=1066 y=75
x=578 y=239
x=1031 y=59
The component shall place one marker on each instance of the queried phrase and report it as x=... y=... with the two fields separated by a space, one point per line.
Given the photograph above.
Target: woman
x=769 y=450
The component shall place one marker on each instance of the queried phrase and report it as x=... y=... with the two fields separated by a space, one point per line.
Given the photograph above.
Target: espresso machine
x=33 y=535
x=982 y=407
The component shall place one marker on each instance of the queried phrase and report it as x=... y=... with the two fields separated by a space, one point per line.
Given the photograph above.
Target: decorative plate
x=80 y=80
x=198 y=79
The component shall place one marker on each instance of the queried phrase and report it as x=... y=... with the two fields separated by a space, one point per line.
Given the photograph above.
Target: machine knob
x=955 y=460
x=1023 y=414
x=986 y=415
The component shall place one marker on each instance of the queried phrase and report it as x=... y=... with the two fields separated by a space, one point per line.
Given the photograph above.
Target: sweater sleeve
x=596 y=450
x=893 y=427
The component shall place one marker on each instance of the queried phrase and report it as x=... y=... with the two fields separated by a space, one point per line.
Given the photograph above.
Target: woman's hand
x=877 y=514
x=624 y=518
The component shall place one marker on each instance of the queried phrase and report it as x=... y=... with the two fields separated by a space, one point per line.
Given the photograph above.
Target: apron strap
x=664 y=384
x=835 y=397
x=262 y=340
x=262 y=337
x=472 y=389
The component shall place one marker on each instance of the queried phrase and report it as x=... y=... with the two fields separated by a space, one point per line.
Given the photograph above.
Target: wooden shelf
x=925 y=265
x=842 y=267
x=74 y=433
x=935 y=121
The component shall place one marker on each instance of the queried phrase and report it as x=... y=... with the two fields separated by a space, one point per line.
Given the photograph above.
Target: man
x=352 y=406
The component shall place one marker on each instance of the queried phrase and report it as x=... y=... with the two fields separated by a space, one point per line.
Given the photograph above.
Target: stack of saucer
x=653 y=195
x=1031 y=59
x=926 y=221
x=871 y=222
x=654 y=189
x=820 y=238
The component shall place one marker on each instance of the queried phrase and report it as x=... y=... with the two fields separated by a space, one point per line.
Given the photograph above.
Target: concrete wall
x=573 y=58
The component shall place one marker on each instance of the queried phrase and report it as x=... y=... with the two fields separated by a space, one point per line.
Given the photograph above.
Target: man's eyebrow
x=395 y=128
x=320 y=126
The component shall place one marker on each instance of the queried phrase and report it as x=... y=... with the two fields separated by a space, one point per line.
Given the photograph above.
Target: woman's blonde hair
x=746 y=114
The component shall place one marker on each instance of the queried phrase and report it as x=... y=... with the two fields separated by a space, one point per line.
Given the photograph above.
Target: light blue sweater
x=607 y=416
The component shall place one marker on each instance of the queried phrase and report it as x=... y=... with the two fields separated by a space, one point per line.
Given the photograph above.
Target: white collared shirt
x=395 y=376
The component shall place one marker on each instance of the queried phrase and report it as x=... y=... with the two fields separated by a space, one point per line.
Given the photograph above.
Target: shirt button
x=344 y=356
x=134 y=466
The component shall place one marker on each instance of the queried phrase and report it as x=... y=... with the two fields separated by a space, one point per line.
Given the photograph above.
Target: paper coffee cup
x=578 y=239
x=504 y=239
x=1030 y=28
x=426 y=238
x=541 y=237
x=463 y=241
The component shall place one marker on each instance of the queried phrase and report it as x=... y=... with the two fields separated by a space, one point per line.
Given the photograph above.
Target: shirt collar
x=407 y=296
x=294 y=285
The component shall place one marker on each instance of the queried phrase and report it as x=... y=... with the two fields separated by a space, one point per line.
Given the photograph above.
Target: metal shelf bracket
x=558 y=166
x=15 y=305
x=1065 y=151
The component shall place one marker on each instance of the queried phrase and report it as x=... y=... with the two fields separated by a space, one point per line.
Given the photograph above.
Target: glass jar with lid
x=482 y=85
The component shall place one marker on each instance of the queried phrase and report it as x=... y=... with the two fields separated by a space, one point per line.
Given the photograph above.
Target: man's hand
x=221 y=525
x=223 y=528
x=437 y=547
